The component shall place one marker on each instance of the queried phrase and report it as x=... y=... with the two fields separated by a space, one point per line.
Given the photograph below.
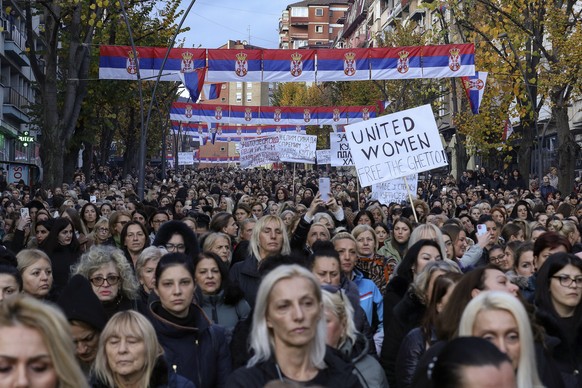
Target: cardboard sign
x=395 y=190
x=294 y=147
x=340 y=150
x=396 y=145
x=323 y=157
x=256 y=152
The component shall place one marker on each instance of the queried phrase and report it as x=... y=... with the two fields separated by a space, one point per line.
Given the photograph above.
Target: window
x=318 y=11
x=238 y=96
x=249 y=96
x=249 y=84
x=222 y=148
x=239 y=85
x=300 y=12
x=319 y=29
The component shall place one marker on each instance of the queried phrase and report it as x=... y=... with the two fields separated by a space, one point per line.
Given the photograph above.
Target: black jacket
x=198 y=352
x=337 y=374
x=246 y=275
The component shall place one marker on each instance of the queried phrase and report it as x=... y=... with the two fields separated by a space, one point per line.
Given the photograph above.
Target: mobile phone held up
x=481 y=229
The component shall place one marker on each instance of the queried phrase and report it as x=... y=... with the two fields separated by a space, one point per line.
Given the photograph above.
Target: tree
x=539 y=45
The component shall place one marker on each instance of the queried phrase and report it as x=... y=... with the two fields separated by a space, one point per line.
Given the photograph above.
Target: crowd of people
x=248 y=278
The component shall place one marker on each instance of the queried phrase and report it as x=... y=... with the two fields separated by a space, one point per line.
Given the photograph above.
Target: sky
x=213 y=22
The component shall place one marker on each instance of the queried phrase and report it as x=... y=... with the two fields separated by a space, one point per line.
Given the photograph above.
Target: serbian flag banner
x=332 y=115
x=343 y=64
x=180 y=60
x=360 y=113
x=119 y=62
x=212 y=91
x=451 y=60
x=395 y=63
x=225 y=65
x=289 y=66
x=210 y=113
x=182 y=111
x=193 y=82
x=274 y=115
x=474 y=88
x=243 y=114
x=302 y=115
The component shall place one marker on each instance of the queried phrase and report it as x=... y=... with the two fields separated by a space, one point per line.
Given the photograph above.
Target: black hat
x=79 y=303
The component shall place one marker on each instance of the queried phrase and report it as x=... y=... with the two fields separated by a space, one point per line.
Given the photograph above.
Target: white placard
x=323 y=157
x=298 y=148
x=396 y=145
x=185 y=158
x=340 y=150
x=258 y=151
x=394 y=190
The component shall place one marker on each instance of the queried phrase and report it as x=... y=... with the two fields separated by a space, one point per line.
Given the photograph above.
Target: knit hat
x=79 y=303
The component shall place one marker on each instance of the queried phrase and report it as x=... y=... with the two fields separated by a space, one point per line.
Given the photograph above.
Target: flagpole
x=410 y=199
x=294 y=164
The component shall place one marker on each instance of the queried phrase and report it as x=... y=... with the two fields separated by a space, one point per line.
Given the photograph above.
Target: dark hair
x=510 y=230
x=459 y=353
x=51 y=243
x=405 y=267
x=322 y=249
x=381 y=225
x=12 y=271
x=360 y=214
x=447 y=324
x=550 y=240
x=553 y=264
x=170 y=228
x=521 y=202
x=123 y=235
x=220 y=221
x=232 y=292
x=171 y=260
x=441 y=286
x=85 y=206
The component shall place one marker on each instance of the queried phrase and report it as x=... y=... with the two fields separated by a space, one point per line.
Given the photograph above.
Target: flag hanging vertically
x=474 y=88
x=212 y=91
x=193 y=82
x=234 y=65
x=346 y=64
x=289 y=66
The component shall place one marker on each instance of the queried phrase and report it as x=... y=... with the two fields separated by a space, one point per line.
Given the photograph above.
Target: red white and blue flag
x=243 y=114
x=193 y=82
x=234 y=65
x=344 y=64
x=302 y=115
x=119 y=62
x=360 y=113
x=395 y=63
x=180 y=60
x=452 y=60
x=212 y=91
x=332 y=115
x=274 y=115
x=474 y=88
x=289 y=66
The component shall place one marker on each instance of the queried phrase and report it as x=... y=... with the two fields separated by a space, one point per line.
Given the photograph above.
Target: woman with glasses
x=196 y=348
x=117 y=221
x=101 y=233
x=111 y=277
x=559 y=311
x=177 y=237
x=134 y=238
x=64 y=250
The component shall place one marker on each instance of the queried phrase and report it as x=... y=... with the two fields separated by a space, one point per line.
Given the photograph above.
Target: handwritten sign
x=395 y=190
x=185 y=158
x=396 y=145
x=323 y=157
x=259 y=151
x=340 y=150
x=298 y=148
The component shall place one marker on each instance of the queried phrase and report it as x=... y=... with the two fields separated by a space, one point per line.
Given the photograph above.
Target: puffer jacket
x=199 y=352
x=366 y=367
x=337 y=374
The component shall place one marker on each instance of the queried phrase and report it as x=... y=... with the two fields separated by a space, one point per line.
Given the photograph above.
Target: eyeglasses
x=103 y=230
x=98 y=281
x=175 y=247
x=566 y=280
x=497 y=259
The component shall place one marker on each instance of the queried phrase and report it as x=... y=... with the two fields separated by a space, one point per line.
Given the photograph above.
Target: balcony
x=14 y=105
x=14 y=43
x=299 y=21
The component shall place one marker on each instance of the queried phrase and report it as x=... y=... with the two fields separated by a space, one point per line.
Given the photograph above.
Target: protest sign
x=323 y=157
x=185 y=158
x=298 y=148
x=396 y=145
x=256 y=152
x=395 y=190
x=340 y=150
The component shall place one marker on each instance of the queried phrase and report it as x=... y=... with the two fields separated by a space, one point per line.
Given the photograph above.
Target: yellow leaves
x=93 y=6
